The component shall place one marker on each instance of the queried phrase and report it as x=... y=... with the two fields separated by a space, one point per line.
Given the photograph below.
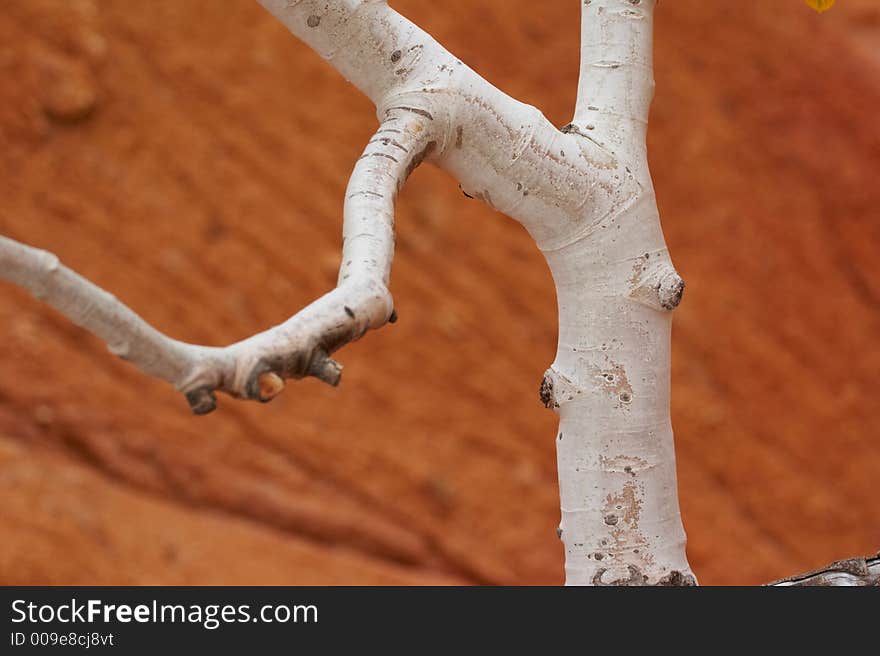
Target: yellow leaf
x=820 y=5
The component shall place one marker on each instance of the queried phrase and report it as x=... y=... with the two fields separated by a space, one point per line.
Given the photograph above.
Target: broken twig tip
x=202 y=401
x=326 y=369
x=270 y=385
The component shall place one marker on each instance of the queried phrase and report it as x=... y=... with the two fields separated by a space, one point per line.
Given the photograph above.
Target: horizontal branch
x=256 y=368
x=850 y=572
x=89 y=306
x=253 y=369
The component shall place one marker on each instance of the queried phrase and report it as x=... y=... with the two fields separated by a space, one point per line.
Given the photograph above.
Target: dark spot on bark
x=202 y=400
x=611 y=520
x=385 y=155
x=291 y=365
x=559 y=532
x=459 y=136
x=372 y=194
x=395 y=56
x=852 y=566
x=414 y=110
x=677 y=579
x=598 y=556
x=334 y=338
x=393 y=317
x=625 y=397
x=670 y=291
x=546 y=393
x=349 y=312
x=418 y=158
x=313 y=21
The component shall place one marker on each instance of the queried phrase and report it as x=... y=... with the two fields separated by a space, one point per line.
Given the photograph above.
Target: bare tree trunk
x=616 y=288
x=585 y=195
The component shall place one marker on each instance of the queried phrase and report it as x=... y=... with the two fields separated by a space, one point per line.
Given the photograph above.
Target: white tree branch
x=616 y=83
x=89 y=306
x=860 y=572
x=256 y=367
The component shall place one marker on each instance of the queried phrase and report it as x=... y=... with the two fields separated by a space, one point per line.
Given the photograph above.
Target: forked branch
x=430 y=106
x=301 y=346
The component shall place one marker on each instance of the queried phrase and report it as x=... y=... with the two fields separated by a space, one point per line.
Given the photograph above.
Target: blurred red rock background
x=191 y=156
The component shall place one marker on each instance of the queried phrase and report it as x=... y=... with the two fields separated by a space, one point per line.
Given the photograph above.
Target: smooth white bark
x=616 y=287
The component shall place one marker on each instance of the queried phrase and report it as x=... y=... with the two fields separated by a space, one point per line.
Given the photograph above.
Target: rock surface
x=191 y=157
